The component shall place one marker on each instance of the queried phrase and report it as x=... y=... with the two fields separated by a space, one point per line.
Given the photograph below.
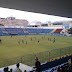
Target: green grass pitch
x=9 y=48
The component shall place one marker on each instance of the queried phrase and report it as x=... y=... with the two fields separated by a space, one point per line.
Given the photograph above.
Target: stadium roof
x=51 y=7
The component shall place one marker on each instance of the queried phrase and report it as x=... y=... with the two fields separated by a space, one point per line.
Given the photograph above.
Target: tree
x=70 y=31
x=1 y=25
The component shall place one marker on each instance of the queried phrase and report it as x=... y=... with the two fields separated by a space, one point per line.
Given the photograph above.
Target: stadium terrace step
x=22 y=67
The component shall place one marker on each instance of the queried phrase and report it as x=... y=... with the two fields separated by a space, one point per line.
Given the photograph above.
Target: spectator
x=17 y=68
x=58 y=70
x=6 y=69
x=37 y=65
x=11 y=70
x=62 y=69
x=69 y=61
x=18 y=65
x=24 y=70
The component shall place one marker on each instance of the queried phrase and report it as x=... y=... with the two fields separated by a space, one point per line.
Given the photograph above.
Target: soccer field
x=10 y=47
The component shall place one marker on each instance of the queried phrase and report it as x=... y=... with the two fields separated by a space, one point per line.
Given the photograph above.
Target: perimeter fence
x=42 y=56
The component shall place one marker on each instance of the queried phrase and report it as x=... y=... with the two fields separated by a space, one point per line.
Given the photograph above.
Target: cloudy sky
x=30 y=16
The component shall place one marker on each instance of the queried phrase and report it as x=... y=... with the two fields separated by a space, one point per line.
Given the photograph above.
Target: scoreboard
x=66 y=26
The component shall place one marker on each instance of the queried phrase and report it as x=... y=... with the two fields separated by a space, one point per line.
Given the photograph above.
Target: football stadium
x=22 y=45
x=35 y=36
x=43 y=44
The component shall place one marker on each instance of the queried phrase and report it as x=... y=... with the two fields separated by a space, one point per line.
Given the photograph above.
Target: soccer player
x=38 y=41
x=42 y=37
x=19 y=42
x=54 y=40
x=23 y=41
x=48 y=39
x=54 y=37
x=11 y=36
x=26 y=42
x=0 y=41
x=31 y=39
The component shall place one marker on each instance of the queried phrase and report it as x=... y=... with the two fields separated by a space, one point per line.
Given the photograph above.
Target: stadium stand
x=22 y=67
x=60 y=65
x=46 y=30
x=58 y=31
x=16 y=31
x=28 y=31
x=65 y=67
x=3 y=30
x=0 y=32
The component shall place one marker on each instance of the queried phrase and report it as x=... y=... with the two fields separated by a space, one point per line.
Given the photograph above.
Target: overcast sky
x=30 y=16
